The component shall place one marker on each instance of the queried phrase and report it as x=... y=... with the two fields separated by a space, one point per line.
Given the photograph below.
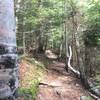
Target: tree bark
x=8 y=56
x=90 y=61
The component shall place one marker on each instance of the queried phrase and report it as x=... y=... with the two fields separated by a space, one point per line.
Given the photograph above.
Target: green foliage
x=31 y=80
x=86 y=98
x=41 y=16
x=92 y=34
x=29 y=93
x=46 y=20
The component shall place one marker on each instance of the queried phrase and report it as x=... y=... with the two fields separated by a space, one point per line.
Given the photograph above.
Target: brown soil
x=59 y=85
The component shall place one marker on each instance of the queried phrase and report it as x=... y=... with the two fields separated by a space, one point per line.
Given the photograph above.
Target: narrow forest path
x=58 y=84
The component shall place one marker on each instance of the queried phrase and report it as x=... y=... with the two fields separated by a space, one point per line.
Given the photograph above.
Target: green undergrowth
x=30 y=81
x=97 y=81
x=30 y=92
x=97 y=77
x=86 y=98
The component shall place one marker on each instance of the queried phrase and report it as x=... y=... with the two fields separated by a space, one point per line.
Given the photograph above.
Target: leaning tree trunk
x=8 y=56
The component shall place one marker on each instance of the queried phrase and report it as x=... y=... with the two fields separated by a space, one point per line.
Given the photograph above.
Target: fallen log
x=69 y=63
x=95 y=93
x=94 y=96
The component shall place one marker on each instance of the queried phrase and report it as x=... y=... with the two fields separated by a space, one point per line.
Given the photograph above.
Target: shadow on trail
x=51 y=62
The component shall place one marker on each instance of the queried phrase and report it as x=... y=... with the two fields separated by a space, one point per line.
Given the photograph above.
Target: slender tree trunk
x=60 y=49
x=65 y=32
x=46 y=43
x=66 y=48
x=24 y=44
x=82 y=68
x=90 y=61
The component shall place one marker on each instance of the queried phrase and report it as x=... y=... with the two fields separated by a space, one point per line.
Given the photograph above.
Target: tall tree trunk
x=66 y=47
x=82 y=68
x=24 y=44
x=90 y=61
x=8 y=56
x=65 y=32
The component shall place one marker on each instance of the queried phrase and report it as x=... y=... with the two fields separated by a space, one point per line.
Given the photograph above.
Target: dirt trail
x=59 y=85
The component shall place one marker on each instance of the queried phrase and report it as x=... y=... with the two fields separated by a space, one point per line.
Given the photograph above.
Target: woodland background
x=70 y=28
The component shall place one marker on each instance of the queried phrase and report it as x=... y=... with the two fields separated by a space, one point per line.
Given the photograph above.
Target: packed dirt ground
x=58 y=84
